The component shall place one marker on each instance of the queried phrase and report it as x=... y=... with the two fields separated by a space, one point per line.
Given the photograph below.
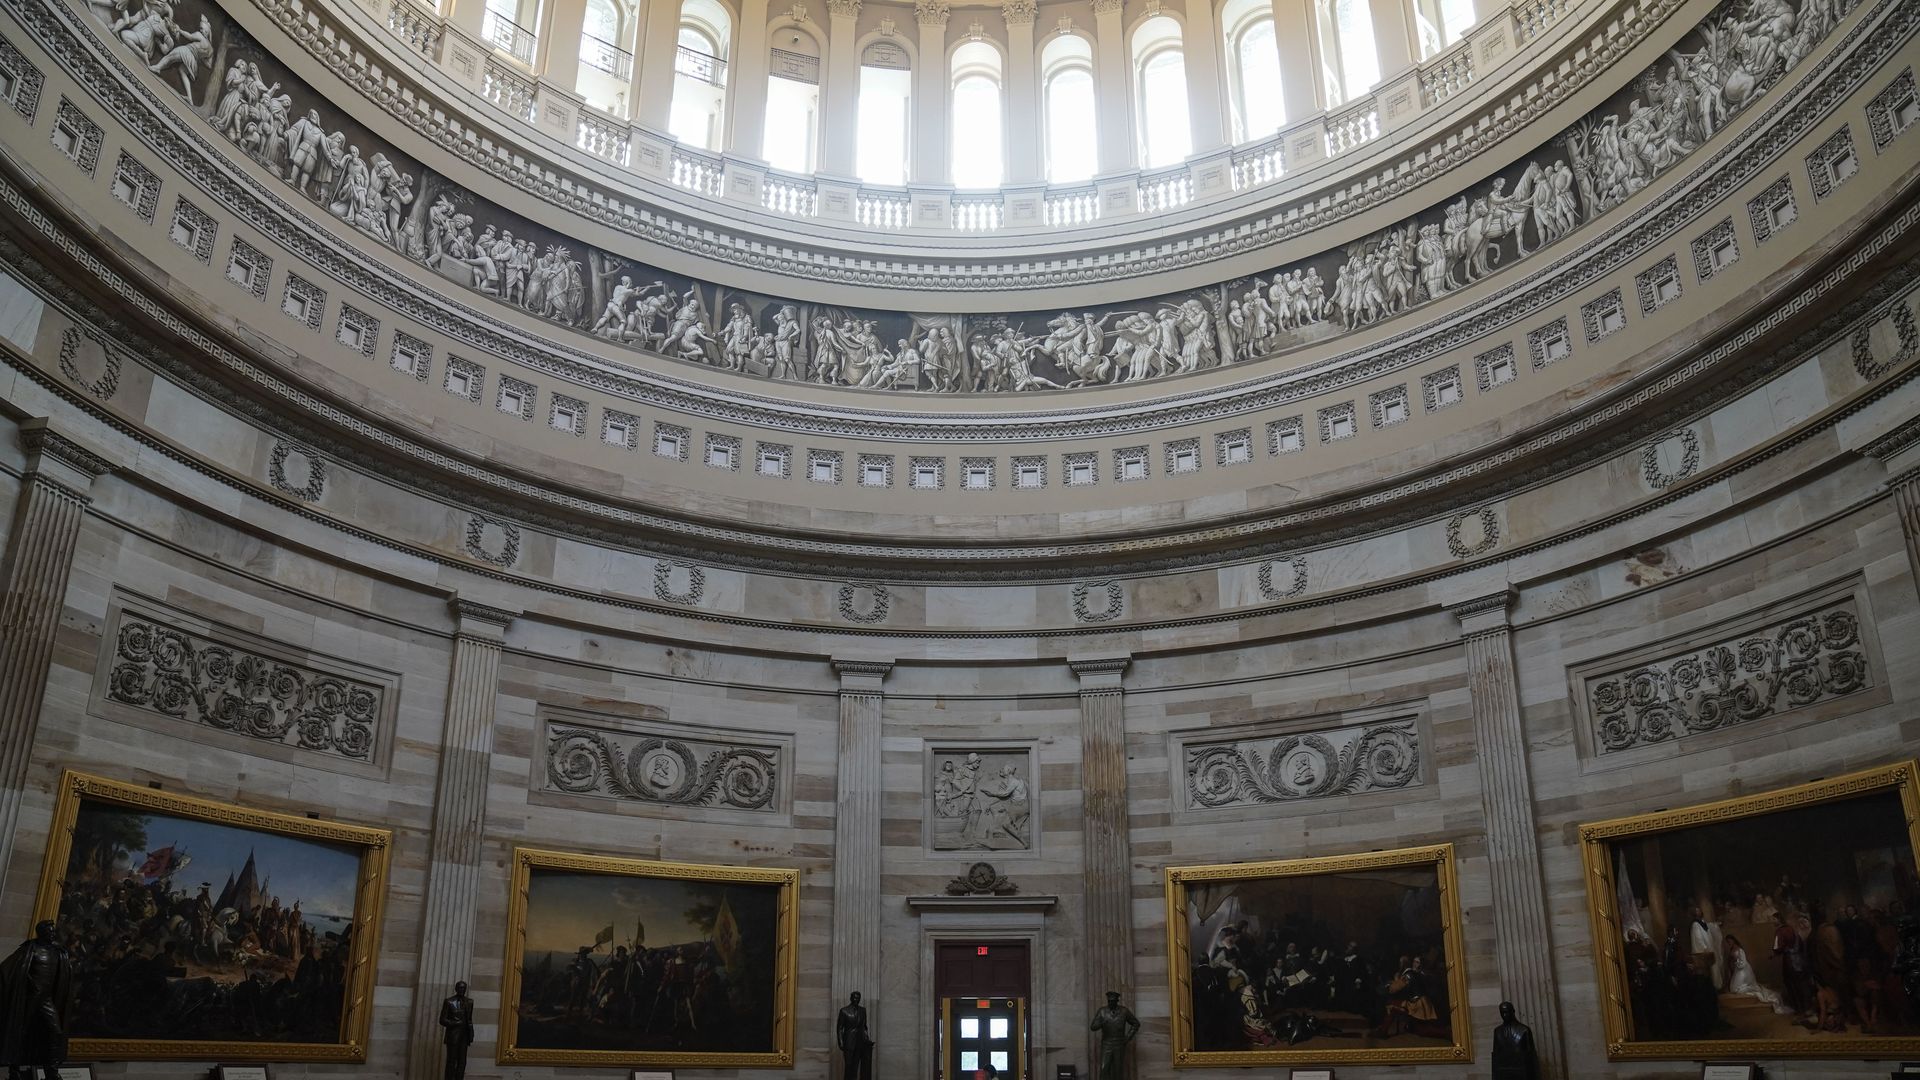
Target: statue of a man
x=456 y=1027
x=1117 y=1026
x=36 y=998
x=1513 y=1054
x=856 y=1044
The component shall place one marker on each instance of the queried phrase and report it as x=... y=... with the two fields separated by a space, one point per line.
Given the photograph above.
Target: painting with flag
x=705 y=980
x=203 y=930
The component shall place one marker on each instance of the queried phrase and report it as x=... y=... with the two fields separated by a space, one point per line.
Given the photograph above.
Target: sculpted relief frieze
x=1790 y=663
x=321 y=154
x=665 y=766
x=167 y=663
x=981 y=799
x=1351 y=759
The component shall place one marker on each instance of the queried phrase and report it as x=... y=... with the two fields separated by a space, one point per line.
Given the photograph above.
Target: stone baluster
x=856 y=838
x=1522 y=945
x=1899 y=451
x=1106 y=870
x=54 y=493
x=839 y=102
x=459 y=817
x=930 y=93
x=1113 y=82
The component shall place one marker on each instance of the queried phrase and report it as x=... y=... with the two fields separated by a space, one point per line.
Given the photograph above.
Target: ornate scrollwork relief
x=1790 y=664
x=663 y=582
x=688 y=771
x=200 y=679
x=1115 y=601
x=1278 y=585
x=1309 y=765
x=879 y=604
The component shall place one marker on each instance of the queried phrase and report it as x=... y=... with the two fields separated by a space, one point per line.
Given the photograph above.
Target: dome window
x=618 y=429
x=1234 y=447
x=772 y=460
x=1336 y=422
x=249 y=268
x=1441 y=389
x=823 y=466
x=411 y=355
x=670 y=441
x=926 y=474
x=976 y=474
x=1550 y=344
x=1029 y=472
x=723 y=452
x=1286 y=436
x=193 y=229
x=876 y=471
x=1130 y=464
x=1496 y=368
x=1081 y=469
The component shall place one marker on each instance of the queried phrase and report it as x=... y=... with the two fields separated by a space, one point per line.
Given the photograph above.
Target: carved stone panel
x=1737 y=675
x=664 y=765
x=161 y=663
x=1270 y=763
x=981 y=798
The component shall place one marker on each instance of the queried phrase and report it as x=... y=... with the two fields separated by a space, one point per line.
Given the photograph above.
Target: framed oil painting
x=204 y=930
x=1760 y=927
x=1348 y=959
x=627 y=962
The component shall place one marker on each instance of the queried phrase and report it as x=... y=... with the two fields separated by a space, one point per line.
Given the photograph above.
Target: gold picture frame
x=785 y=925
x=1598 y=842
x=1180 y=962
x=79 y=790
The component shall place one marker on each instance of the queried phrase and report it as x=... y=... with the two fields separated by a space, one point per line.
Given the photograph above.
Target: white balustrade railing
x=1447 y=74
x=1353 y=128
x=510 y=90
x=887 y=210
x=508 y=36
x=1261 y=163
x=1532 y=17
x=977 y=213
x=697 y=170
x=791 y=196
x=605 y=55
x=603 y=138
x=1077 y=207
x=415 y=26
x=1165 y=190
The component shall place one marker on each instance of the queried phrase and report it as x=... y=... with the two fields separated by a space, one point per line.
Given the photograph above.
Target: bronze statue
x=856 y=1045
x=1117 y=1026
x=36 y=998
x=456 y=1023
x=1513 y=1054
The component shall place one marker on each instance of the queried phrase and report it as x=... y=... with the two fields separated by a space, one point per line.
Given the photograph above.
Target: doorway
x=982 y=989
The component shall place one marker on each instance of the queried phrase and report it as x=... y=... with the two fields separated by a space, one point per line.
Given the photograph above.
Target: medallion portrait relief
x=981 y=800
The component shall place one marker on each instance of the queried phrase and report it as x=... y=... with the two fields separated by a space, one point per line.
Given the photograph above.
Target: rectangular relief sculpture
x=1769 y=925
x=1346 y=959
x=981 y=798
x=634 y=963
x=203 y=930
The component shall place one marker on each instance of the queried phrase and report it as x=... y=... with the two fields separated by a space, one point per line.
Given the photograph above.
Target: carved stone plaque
x=1352 y=754
x=609 y=757
x=981 y=799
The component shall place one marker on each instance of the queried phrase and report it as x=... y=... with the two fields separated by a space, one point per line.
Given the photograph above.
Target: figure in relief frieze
x=786 y=343
x=736 y=338
x=191 y=51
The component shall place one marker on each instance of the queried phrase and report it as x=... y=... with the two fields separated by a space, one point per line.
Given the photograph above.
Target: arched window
x=700 y=74
x=977 y=152
x=1160 y=88
x=886 y=88
x=1253 y=69
x=792 y=137
x=606 y=57
x=1072 y=126
x=1352 y=67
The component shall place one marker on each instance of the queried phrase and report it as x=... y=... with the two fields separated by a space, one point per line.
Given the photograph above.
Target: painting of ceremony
x=635 y=965
x=202 y=932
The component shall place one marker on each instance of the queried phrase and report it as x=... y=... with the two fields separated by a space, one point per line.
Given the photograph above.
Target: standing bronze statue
x=456 y=1028
x=856 y=1044
x=1513 y=1055
x=36 y=998
x=1117 y=1026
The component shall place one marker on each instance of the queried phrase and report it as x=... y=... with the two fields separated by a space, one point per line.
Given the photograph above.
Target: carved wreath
x=1386 y=756
x=586 y=763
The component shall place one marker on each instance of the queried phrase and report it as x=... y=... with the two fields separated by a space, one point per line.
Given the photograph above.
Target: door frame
x=983 y=926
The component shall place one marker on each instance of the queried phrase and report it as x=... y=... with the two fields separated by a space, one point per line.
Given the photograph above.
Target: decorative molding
x=1019 y=12
x=316 y=484
x=1893 y=442
x=844 y=9
x=1885 y=117
x=877 y=608
x=680 y=765
x=37 y=438
x=981 y=879
x=1705 y=244
x=1787 y=664
x=106 y=380
x=1296 y=579
x=1861 y=343
x=1501 y=602
x=932 y=12
x=1489 y=533
x=84 y=135
x=1350 y=760
x=27 y=79
x=209 y=676
x=509 y=552
x=663 y=582
x=1116 y=598
x=1657 y=477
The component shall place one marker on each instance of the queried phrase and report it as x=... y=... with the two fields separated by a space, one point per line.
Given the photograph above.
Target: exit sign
x=980 y=950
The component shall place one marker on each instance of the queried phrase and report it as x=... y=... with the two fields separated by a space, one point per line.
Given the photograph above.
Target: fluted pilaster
x=54 y=494
x=459 y=815
x=856 y=838
x=1522 y=944
x=1106 y=871
x=1899 y=451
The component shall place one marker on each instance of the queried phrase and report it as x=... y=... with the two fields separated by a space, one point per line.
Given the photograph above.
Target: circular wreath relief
x=1489 y=526
x=663 y=582
x=1296 y=578
x=1116 y=601
x=875 y=612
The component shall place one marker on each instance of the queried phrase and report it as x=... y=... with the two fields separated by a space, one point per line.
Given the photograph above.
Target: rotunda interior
x=1044 y=540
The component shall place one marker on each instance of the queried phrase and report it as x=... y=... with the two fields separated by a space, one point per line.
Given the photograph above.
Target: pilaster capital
x=1020 y=12
x=1107 y=7
x=59 y=458
x=1100 y=672
x=932 y=12
x=1485 y=613
x=1898 y=450
x=861 y=675
x=479 y=621
x=844 y=9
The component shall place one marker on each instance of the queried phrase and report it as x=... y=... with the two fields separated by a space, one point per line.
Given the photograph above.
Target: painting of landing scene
x=632 y=962
x=1777 y=924
x=198 y=929
x=1346 y=959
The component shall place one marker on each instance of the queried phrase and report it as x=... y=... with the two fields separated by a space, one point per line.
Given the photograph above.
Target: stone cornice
x=76 y=466
x=1894 y=442
x=472 y=611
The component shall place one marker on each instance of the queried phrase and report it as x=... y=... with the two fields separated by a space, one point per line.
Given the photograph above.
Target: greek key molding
x=1351 y=759
x=664 y=765
x=1790 y=662
x=166 y=663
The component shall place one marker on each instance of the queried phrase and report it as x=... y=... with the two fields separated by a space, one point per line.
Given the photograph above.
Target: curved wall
x=1722 y=465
